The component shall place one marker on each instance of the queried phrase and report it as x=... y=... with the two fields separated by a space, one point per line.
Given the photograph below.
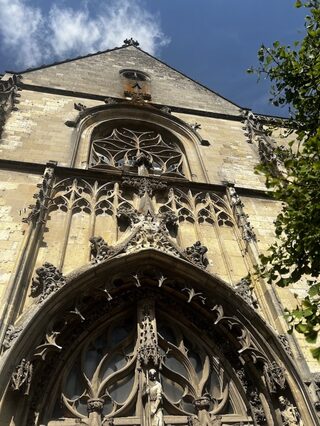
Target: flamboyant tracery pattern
x=213 y=210
x=113 y=210
x=143 y=151
x=111 y=372
x=150 y=347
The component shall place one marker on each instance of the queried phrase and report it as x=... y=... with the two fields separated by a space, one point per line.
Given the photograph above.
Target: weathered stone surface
x=141 y=206
x=89 y=75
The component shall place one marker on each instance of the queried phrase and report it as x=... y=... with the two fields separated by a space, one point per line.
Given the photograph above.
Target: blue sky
x=212 y=41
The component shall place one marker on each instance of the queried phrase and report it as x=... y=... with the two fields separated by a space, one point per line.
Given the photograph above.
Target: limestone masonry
x=131 y=223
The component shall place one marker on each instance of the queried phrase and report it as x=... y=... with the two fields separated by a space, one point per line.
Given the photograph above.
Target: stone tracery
x=143 y=151
x=198 y=376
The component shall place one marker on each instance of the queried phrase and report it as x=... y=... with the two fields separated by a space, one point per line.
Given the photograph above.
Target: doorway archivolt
x=148 y=339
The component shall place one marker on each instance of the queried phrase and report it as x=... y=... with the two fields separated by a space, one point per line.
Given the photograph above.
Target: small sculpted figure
x=290 y=414
x=154 y=399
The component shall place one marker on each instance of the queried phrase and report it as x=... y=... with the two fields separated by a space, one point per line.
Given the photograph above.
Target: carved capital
x=95 y=405
x=202 y=403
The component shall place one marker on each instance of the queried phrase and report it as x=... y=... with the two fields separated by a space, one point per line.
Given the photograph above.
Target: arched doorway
x=148 y=339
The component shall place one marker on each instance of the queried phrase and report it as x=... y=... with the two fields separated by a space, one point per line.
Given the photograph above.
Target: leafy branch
x=294 y=73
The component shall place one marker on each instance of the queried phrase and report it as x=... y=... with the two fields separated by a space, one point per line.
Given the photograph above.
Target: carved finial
x=130 y=42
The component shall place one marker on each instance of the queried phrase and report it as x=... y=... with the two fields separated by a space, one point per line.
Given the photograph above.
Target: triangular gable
x=98 y=74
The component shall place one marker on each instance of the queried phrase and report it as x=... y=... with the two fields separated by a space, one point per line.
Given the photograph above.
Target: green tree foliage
x=294 y=72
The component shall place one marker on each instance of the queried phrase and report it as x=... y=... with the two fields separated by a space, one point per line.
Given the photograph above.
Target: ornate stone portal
x=124 y=303
x=153 y=372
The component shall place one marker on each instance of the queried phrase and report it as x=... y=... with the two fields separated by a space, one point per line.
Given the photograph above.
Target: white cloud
x=20 y=26
x=64 y=32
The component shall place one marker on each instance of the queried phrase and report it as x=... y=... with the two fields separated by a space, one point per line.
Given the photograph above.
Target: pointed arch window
x=111 y=371
x=141 y=150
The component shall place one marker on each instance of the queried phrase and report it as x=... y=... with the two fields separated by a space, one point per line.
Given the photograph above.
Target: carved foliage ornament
x=48 y=279
x=285 y=343
x=244 y=289
x=42 y=197
x=144 y=185
x=196 y=254
x=100 y=250
x=21 y=377
x=144 y=151
x=257 y=407
x=11 y=334
x=274 y=375
x=149 y=232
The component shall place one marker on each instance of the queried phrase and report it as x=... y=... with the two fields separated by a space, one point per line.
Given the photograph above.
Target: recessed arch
x=239 y=336
x=118 y=115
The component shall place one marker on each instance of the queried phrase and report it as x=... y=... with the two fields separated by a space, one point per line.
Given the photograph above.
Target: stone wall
x=16 y=193
x=37 y=133
x=99 y=74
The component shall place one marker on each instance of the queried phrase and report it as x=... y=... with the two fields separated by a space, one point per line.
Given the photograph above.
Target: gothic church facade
x=131 y=224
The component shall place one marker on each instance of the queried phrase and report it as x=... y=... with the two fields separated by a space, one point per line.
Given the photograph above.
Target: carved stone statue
x=143 y=160
x=153 y=406
x=289 y=413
